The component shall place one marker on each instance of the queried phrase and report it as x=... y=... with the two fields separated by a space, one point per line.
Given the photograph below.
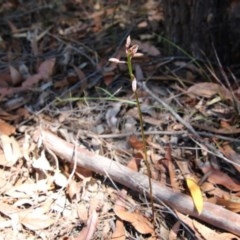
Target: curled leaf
x=195 y=193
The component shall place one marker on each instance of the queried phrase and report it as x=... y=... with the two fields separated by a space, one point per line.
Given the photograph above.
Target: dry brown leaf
x=208 y=90
x=204 y=232
x=4 y=182
x=226 y=127
x=11 y=149
x=16 y=77
x=108 y=77
x=6 y=146
x=119 y=233
x=63 y=83
x=135 y=162
x=231 y=204
x=7 y=116
x=135 y=143
x=97 y=18
x=111 y=116
x=73 y=189
x=5 y=79
x=88 y=231
x=211 y=189
x=22 y=112
x=207 y=233
x=140 y=223
x=36 y=219
x=17 y=153
x=6 y=91
x=174 y=231
x=227 y=150
x=24 y=202
x=6 y=128
x=225 y=124
x=81 y=77
x=46 y=68
x=32 y=219
x=227 y=236
x=218 y=177
x=232 y=131
x=147 y=119
x=120 y=203
x=147 y=48
x=7 y=209
x=170 y=167
x=82 y=211
x=28 y=189
x=32 y=80
x=13 y=27
x=83 y=172
x=42 y=162
x=189 y=222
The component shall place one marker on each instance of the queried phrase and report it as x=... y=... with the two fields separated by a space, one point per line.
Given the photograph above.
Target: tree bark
x=199 y=26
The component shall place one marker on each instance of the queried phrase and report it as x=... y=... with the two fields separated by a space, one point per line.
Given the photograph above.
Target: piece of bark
x=212 y=214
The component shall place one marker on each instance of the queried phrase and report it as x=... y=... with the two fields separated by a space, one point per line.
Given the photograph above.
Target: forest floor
x=71 y=152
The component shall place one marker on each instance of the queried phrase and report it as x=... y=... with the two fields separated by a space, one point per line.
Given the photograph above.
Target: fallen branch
x=212 y=214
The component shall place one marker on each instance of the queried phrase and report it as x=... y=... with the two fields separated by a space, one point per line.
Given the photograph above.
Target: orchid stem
x=146 y=160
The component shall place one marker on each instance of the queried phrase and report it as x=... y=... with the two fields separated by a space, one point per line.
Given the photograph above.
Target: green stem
x=130 y=70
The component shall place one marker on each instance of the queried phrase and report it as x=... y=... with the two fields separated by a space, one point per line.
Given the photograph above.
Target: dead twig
x=212 y=214
x=174 y=133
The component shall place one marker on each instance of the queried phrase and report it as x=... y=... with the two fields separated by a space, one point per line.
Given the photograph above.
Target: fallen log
x=213 y=214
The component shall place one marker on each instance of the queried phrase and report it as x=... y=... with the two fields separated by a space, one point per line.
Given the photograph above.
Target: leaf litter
x=56 y=76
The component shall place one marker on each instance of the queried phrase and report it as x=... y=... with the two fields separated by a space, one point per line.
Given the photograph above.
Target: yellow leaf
x=196 y=194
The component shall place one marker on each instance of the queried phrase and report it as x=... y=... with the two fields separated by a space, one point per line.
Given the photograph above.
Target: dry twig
x=212 y=214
